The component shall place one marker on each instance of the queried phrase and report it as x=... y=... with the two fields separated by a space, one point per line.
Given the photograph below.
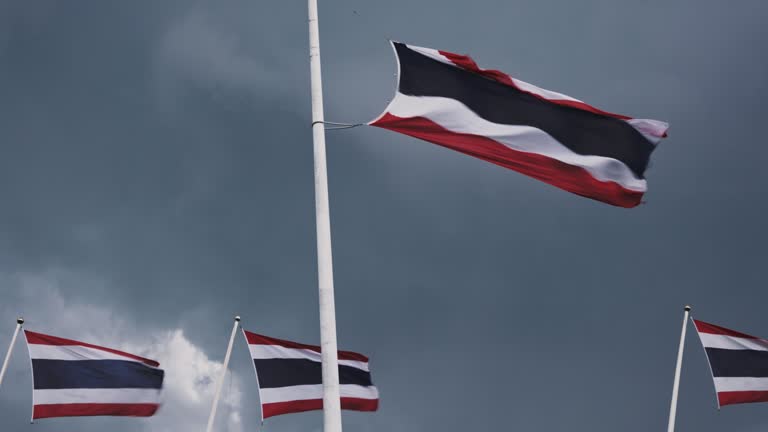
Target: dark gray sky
x=156 y=178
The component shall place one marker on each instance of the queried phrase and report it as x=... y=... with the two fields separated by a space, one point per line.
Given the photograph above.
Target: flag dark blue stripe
x=64 y=374
x=290 y=372
x=738 y=363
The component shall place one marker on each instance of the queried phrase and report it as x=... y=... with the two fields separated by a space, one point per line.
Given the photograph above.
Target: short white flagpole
x=220 y=384
x=19 y=323
x=330 y=367
x=678 y=368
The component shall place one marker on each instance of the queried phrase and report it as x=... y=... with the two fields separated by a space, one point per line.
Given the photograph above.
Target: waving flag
x=739 y=364
x=290 y=378
x=446 y=99
x=72 y=378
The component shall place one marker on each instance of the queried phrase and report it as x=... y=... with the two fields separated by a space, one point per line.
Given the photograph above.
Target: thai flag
x=738 y=361
x=290 y=378
x=72 y=378
x=447 y=99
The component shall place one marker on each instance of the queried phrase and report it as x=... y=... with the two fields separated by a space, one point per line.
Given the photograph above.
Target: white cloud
x=190 y=385
x=190 y=377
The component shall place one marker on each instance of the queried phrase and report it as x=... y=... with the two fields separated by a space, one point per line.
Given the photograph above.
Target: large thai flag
x=72 y=378
x=739 y=364
x=446 y=99
x=290 y=377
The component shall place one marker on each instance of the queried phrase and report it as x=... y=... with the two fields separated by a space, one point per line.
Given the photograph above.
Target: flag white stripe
x=652 y=130
x=97 y=396
x=433 y=54
x=315 y=391
x=733 y=343
x=259 y=352
x=741 y=384
x=546 y=94
x=457 y=117
x=72 y=352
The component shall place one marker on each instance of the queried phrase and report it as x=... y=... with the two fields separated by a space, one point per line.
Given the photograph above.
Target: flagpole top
x=687 y=308
x=19 y=320
x=237 y=318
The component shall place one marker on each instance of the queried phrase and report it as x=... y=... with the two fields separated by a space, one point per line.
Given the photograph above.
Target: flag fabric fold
x=289 y=377
x=738 y=362
x=73 y=378
x=446 y=99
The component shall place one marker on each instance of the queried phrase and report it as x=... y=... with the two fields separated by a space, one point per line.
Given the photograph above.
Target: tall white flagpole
x=220 y=384
x=678 y=368
x=19 y=322
x=331 y=396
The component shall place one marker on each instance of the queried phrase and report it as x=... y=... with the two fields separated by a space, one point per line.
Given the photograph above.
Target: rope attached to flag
x=337 y=126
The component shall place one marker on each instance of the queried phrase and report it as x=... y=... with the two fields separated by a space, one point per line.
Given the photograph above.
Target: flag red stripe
x=257 y=339
x=43 y=339
x=347 y=403
x=739 y=397
x=703 y=327
x=571 y=178
x=467 y=63
x=94 y=409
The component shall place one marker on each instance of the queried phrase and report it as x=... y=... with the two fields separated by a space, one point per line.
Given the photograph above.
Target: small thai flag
x=290 y=377
x=738 y=361
x=72 y=378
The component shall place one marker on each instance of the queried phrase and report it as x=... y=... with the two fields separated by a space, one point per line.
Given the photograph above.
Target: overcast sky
x=156 y=179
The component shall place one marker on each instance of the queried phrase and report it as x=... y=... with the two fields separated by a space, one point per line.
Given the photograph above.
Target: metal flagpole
x=220 y=384
x=19 y=322
x=331 y=396
x=678 y=368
